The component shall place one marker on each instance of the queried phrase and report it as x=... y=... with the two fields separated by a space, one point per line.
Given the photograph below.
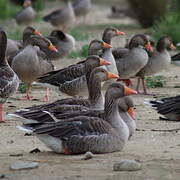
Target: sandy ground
x=157 y=151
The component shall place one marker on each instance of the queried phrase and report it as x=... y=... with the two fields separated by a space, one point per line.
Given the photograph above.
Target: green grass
x=155 y=81
x=22 y=88
x=7 y=9
x=78 y=34
x=81 y=54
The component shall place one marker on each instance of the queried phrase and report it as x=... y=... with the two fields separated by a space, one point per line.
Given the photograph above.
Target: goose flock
x=100 y=123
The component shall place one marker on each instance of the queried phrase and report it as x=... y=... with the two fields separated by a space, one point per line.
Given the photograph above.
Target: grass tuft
x=155 y=81
x=81 y=53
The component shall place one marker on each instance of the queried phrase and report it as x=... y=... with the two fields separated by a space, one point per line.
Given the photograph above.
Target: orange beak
x=37 y=33
x=120 y=33
x=131 y=112
x=112 y=76
x=127 y=82
x=52 y=48
x=106 y=45
x=104 y=62
x=172 y=47
x=149 y=47
x=129 y=91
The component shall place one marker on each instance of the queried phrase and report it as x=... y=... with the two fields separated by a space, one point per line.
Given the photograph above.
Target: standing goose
x=95 y=101
x=63 y=42
x=14 y=47
x=82 y=133
x=72 y=80
x=168 y=107
x=136 y=58
x=31 y=62
x=81 y=7
x=108 y=34
x=62 y=17
x=27 y=14
x=9 y=81
x=158 y=61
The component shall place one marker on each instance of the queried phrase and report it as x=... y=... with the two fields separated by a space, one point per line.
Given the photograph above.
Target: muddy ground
x=157 y=151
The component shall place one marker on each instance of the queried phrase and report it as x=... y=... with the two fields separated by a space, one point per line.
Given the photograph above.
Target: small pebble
x=20 y=165
x=88 y=155
x=127 y=165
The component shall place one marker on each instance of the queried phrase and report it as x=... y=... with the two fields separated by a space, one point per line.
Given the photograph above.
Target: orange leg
x=46 y=97
x=1 y=114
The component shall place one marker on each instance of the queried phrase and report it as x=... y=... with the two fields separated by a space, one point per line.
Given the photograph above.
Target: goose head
x=165 y=42
x=102 y=74
x=140 y=40
x=28 y=31
x=42 y=42
x=117 y=90
x=27 y=3
x=126 y=104
x=59 y=35
x=97 y=45
x=110 y=33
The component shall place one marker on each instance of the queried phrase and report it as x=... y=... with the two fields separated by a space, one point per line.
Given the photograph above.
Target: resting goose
x=62 y=17
x=157 y=62
x=63 y=42
x=175 y=59
x=27 y=14
x=31 y=62
x=9 y=81
x=72 y=80
x=168 y=107
x=95 y=101
x=81 y=134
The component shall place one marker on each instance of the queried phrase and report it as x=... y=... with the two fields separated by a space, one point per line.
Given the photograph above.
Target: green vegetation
x=22 y=88
x=39 y=5
x=78 y=34
x=7 y=9
x=82 y=53
x=15 y=34
x=168 y=25
x=155 y=81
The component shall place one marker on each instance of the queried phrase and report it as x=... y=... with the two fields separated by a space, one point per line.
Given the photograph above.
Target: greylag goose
x=72 y=80
x=157 y=62
x=175 y=59
x=136 y=57
x=9 y=81
x=14 y=47
x=62 y=17
x=168 y=107
x=81 y=7
x=108 y=34
x=95 y=101
x=63 y=42
x=81 y=134
x=31 y=62
x=27 y=14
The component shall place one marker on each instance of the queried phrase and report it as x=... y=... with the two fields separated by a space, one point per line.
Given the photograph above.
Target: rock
x=36 y=150
x=19 y=165
x=88 y=155
x=127 y=165
x=2 y=176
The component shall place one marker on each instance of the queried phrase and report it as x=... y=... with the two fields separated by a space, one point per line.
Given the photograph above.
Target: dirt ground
x=157 y=151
